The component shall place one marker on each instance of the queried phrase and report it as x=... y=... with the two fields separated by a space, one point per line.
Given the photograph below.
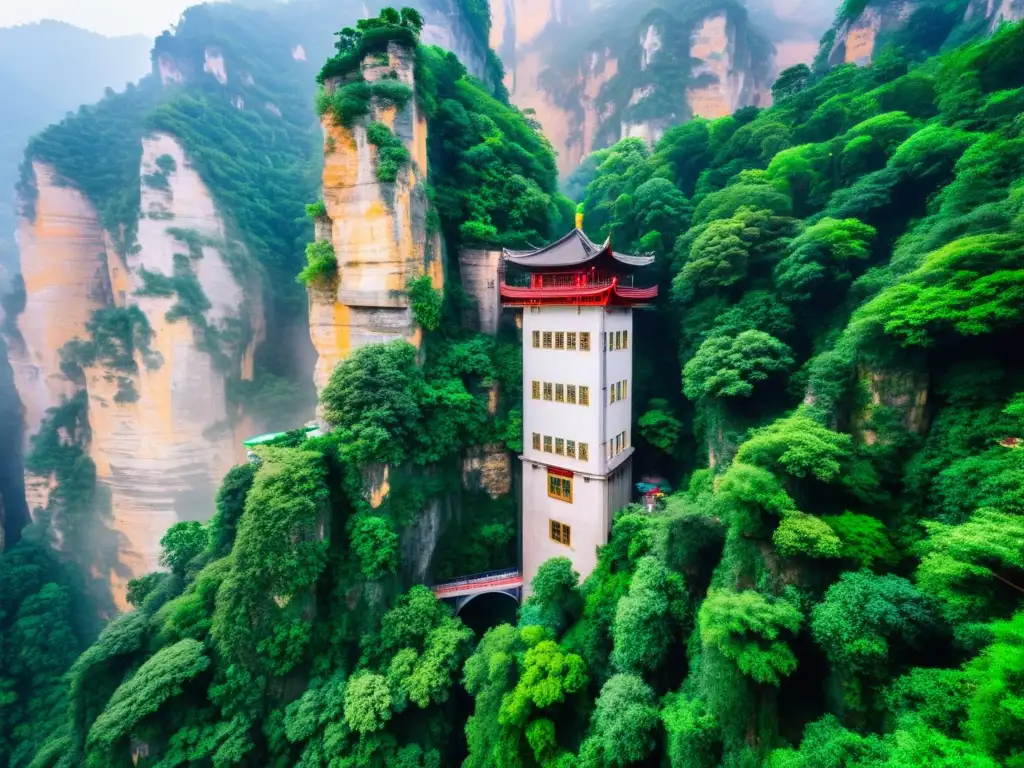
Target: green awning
x=270 y=437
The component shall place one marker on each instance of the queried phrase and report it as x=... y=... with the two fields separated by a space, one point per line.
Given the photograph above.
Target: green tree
x=731 y=366
x=866 y=624
x=648 y=618
x=749 y=630
x=623 y=725
x=976 y=570
x=659 y=426
x=824 y=252
x=555 y=602
x=181 y=544
x=223 y=525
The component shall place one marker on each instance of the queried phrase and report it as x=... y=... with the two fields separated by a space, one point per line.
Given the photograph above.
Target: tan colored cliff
x=488 y=468
x=160 y=458
x=577 y=130
x=855 y=38
x=713 y=43
x=62 y=262
x=378 y=231
x=163 y=456
x=518 y=23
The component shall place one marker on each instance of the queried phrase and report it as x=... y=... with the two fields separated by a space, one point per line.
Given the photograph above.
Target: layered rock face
x=479 y=272
x=726 y=88
x=995 y=12
x=378 y=230
x=516 y=26
x=63 y=255
x=582 y=108
x=856 y=40
x=162 y=435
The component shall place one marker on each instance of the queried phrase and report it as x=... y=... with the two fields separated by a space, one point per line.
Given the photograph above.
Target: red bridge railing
x=479 y=582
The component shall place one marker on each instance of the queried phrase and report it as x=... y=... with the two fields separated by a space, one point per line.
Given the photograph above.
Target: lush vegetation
x=840 y=583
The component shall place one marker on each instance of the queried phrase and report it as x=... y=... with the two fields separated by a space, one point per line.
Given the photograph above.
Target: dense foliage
x=840 y=583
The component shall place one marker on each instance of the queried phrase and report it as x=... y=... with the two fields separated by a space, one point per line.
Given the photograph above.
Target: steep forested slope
x=838 y=586
x=298 y=584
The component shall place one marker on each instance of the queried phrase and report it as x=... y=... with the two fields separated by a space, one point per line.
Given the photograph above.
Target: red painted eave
x=599 y=296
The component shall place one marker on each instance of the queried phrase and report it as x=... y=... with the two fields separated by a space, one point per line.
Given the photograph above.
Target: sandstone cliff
x=856 y=40
x=378 y=229
x=595 y=75
x=162 y=431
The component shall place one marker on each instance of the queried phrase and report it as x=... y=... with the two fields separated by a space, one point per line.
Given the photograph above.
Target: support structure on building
x=577 y=299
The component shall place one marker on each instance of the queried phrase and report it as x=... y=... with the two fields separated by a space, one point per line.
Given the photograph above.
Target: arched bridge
x=465 y=588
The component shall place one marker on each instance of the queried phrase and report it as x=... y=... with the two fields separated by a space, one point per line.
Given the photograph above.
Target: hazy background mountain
x=46 y=70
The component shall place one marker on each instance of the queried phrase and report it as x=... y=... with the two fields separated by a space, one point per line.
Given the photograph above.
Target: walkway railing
x=503 y=579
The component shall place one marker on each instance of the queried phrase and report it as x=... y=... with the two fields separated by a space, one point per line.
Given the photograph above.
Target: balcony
x=584 y=288
x=561 y=281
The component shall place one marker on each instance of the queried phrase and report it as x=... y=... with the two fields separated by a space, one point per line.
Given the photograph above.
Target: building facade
x=577 y=299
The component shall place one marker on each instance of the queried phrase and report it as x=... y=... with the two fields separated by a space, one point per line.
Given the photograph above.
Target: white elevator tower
x=577 y=299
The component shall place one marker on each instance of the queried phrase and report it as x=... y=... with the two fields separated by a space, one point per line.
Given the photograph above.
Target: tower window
x=559 y=340
x=618 y=443
x=547 y=339
x=559 y=532
x=570 y=393
x=584 y=452
x=570 y=340
x=611 y=341
x=547 y=444
x=618 y=390
x=625 y=339
x=559 y=393
x=547 y=390
x=536 y=390
x=560 y=487
x=536 y=441
x=584 y=395
x=625 y=389
x=618 y=339
x=570 y=449
x=536 y=339
x=585 y=341
x=625 y=444
x=611 y=393
x=559 y=446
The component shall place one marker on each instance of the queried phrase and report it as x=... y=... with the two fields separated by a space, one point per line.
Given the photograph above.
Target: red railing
x=479 y=582
x=560 y=281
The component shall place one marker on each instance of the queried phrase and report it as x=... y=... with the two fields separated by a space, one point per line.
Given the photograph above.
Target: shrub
x=321 y=263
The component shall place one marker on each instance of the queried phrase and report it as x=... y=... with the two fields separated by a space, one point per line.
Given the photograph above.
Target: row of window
x=618 y=445
x=566 y=340
x=618 y=391
x=560 y=533
x=618 y=340
x=562 y=393
x=561 y=447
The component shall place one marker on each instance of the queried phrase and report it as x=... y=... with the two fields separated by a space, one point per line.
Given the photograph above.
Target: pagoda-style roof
x=573 y=250
x=574 y=271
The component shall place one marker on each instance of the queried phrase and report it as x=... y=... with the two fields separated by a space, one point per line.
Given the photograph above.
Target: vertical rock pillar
x=378 y=229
